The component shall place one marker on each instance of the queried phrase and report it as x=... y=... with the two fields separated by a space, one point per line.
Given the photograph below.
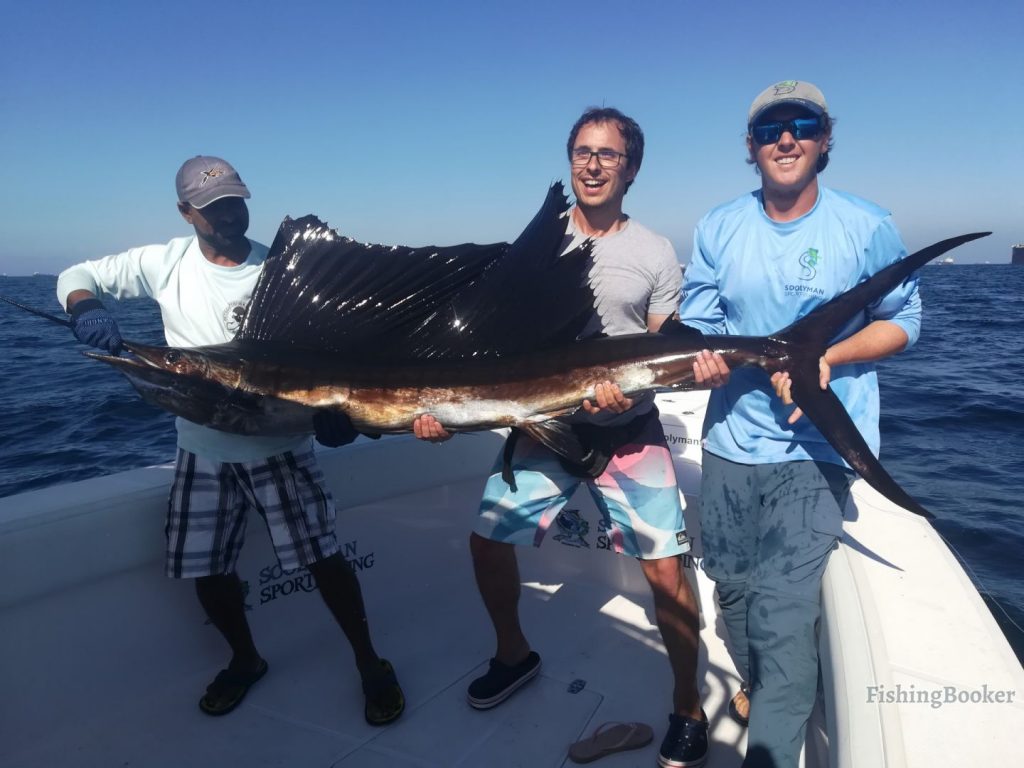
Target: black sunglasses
x=799 y=128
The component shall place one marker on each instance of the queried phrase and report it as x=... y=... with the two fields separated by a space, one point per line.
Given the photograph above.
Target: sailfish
x=480 y=336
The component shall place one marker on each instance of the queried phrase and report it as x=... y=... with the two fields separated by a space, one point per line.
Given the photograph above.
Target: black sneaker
x=685 y=744
x=501 y=681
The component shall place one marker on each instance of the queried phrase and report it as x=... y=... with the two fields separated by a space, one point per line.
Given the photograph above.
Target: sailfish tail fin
x=825 y=410
x=804 y=342
x=819 y=327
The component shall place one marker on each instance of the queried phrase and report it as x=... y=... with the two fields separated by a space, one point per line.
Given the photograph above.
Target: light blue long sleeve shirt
x=752 y=276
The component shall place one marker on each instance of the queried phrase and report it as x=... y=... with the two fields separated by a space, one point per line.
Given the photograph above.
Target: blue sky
x=416 y=123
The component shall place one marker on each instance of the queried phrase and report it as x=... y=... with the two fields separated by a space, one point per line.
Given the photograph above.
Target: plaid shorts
x=637 y=495
x=206 y=513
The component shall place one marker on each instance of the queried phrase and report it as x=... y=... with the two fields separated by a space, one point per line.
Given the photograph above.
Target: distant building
x=1017 y=254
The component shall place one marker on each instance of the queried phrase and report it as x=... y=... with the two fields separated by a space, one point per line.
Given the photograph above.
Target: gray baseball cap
x=797 y=92
x=204 y=179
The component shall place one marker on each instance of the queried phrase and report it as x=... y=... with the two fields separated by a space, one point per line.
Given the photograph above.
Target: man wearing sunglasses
x=773 y=490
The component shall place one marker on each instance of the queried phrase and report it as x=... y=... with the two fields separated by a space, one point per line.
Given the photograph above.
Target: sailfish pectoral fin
x=825 y=410
x=558 y=436
x=580 y=455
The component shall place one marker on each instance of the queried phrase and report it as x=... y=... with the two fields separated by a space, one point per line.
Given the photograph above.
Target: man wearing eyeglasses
x=637 y=281
x=773 y=490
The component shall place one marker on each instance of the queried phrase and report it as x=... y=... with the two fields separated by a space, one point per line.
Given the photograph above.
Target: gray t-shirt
x=635 y=274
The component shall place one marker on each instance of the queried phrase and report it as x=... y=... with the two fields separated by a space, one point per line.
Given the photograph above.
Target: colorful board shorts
x=636 y=494
x=206 y=516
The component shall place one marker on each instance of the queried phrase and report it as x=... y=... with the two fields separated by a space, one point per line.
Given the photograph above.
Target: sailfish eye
x=172 y=357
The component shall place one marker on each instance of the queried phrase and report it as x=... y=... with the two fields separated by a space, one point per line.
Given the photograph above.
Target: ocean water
x=952 y=425
x=952 y=413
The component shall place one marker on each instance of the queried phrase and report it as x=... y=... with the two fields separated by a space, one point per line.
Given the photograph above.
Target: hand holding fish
x=426 y=427
x=608 y=396
x=782 y=384
x=710 y=370
x=92 y=324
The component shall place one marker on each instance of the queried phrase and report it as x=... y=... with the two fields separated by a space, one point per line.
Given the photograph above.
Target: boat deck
x=112 y=668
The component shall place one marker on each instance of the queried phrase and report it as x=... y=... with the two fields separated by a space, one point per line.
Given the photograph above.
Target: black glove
x=333 y=428
x=92 y=324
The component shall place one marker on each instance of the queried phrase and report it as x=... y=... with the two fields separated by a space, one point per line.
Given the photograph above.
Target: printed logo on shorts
x=574 y=527
x=682 y=539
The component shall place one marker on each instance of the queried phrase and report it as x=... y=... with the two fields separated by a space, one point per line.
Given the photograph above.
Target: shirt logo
x=808 y=263
x=234 y=316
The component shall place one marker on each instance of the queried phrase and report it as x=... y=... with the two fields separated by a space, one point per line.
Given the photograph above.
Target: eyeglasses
x=799 y=128
x=606 y=158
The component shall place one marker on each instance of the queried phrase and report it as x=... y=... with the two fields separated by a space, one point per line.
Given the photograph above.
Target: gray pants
x=767 y=531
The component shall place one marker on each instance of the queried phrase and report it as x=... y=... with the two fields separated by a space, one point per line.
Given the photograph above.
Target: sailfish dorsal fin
x=321 y=291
